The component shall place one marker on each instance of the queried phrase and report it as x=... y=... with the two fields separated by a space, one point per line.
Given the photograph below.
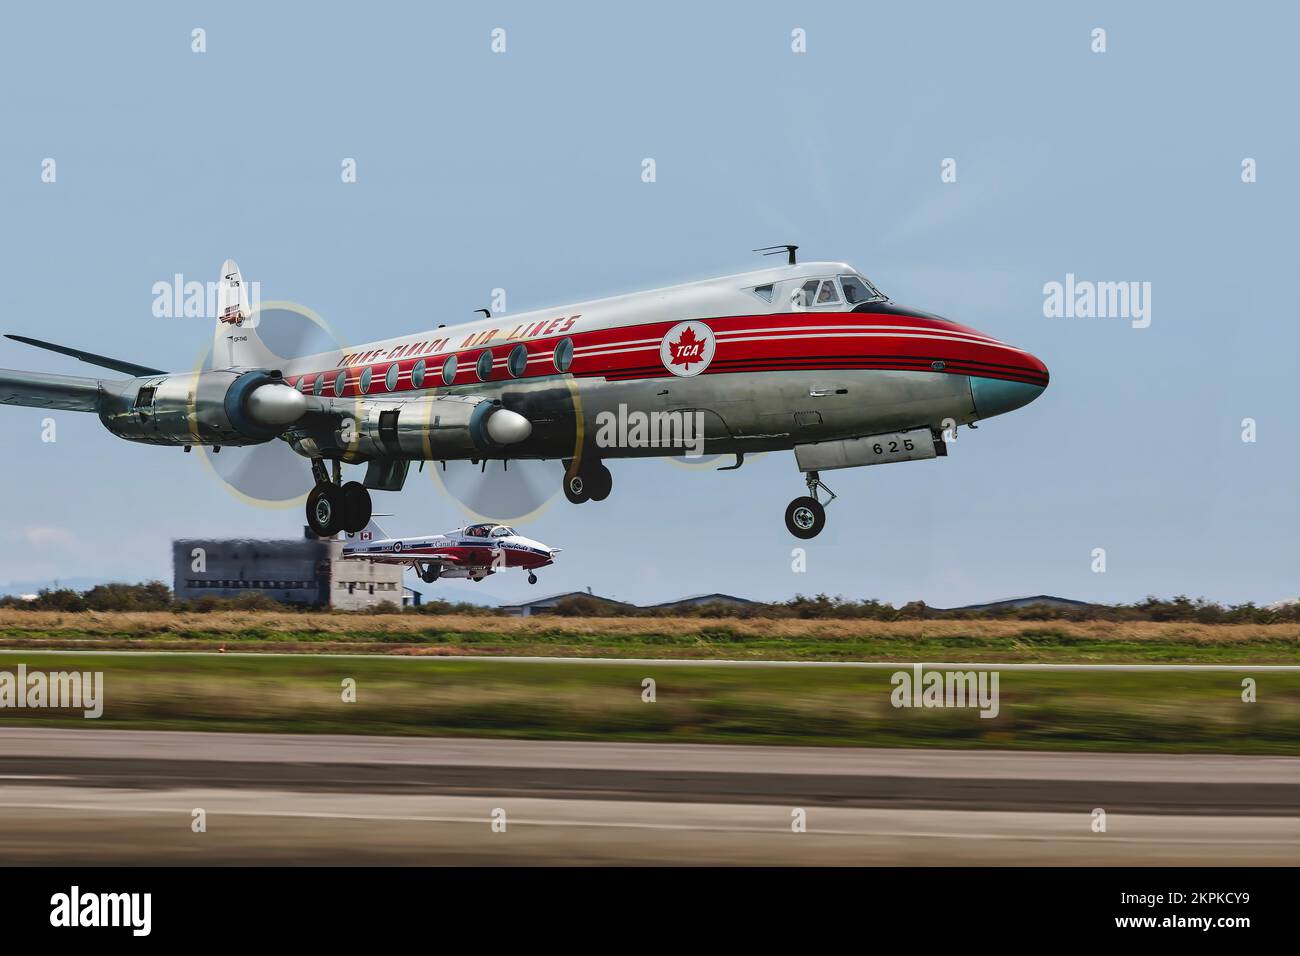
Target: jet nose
x=997 y=396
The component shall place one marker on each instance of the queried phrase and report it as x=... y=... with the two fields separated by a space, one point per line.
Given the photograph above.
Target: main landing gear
x=806 y=516
x=532 y=578
x=429 y=572
x=333 y=507
x=591 y=482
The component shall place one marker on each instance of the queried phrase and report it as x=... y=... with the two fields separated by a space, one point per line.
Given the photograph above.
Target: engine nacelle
x=202 y=408
x=445 y=427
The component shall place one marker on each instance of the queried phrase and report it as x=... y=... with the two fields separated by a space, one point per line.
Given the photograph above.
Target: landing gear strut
x=591 y=482
x=806 y=516
x=332 y=508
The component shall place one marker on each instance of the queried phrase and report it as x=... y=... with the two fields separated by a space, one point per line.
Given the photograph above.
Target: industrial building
x=309 y=571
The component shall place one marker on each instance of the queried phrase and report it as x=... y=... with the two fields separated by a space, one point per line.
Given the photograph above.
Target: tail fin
x=371 y=532
x=236 y=342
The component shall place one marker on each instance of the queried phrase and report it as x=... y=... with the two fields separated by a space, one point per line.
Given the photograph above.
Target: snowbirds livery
x=808 y=357
x=471 y=552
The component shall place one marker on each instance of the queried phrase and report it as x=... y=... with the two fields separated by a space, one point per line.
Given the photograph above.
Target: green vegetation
x=676 y=638
x=1088 y=710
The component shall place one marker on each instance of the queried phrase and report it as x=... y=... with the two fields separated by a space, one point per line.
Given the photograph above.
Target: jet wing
x=404 y=557
x=43 y=390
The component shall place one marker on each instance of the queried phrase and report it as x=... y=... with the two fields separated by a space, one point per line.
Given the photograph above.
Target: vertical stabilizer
x=236 y=342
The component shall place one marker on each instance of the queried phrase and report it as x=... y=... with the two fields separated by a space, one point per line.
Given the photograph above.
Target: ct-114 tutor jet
x=808 y=357
x=472 y=552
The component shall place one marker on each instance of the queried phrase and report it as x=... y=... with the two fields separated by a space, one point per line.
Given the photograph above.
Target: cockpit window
x=857 y=289
x=817 y=292
x=478 y=530
x=501 y=531
x=828 y=294
x=807 y=293
x=764 y=292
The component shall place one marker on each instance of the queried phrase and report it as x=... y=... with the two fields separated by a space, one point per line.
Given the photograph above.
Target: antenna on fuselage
x=485 y=312
x=773 y=250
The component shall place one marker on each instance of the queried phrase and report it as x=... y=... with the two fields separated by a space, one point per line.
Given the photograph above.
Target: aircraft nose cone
x=995 y=396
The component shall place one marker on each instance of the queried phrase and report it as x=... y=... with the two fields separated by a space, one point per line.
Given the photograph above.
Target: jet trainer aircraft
x=472 y=552
x=808 y=357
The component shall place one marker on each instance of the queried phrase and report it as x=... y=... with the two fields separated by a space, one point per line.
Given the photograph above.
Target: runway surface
x=106 y=796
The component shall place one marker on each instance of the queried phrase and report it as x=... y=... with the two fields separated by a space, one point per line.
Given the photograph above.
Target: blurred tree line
x=156 y=596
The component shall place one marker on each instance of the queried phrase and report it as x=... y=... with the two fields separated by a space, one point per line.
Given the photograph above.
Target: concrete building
x=307 y=571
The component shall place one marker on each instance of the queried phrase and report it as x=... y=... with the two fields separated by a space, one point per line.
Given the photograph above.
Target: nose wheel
x=532 y=578
x=806 y=516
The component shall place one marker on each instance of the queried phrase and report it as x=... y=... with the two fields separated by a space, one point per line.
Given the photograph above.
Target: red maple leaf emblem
x=687 y=349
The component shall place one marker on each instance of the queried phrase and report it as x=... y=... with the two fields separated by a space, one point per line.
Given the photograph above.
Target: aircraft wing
x=44 y=390
x=90 y=358
x=405 y=557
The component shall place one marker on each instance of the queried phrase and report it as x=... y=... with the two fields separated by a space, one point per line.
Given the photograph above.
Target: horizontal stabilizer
x=90 y=358
x=43 y=390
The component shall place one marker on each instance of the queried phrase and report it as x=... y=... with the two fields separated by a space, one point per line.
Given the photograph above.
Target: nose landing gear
x=806 y=516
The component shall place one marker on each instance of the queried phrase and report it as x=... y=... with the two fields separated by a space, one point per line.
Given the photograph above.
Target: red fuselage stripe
x=745 y=343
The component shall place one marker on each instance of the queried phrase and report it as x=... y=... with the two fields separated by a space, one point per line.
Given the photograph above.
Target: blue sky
x=522 y=171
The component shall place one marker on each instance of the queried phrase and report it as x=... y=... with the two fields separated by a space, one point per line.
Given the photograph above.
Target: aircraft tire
x=599 y=482
x=430 y=573
x=325 y=509
x=576 y=488
x=532 y=578
x=805 y=517
x=356 y=506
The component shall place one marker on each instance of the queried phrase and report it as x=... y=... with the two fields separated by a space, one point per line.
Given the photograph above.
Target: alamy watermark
x=1085 y=299
x=637 y=429
x=179 y=299
x=53 y=690
x=921 y=688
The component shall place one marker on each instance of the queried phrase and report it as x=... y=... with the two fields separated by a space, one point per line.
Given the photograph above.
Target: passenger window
x=563 y=355
x=517 y=364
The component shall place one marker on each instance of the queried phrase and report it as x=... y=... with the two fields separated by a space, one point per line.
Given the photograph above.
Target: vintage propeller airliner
x=808 y=356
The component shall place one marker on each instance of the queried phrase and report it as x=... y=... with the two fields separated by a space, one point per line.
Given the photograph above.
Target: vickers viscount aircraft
x=808 y=357
x=472 y=552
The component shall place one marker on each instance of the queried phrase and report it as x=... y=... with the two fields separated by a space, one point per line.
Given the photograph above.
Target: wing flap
x=43 y=390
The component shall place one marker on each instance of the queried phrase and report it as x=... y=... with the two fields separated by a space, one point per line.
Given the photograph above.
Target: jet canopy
x=488 y=530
